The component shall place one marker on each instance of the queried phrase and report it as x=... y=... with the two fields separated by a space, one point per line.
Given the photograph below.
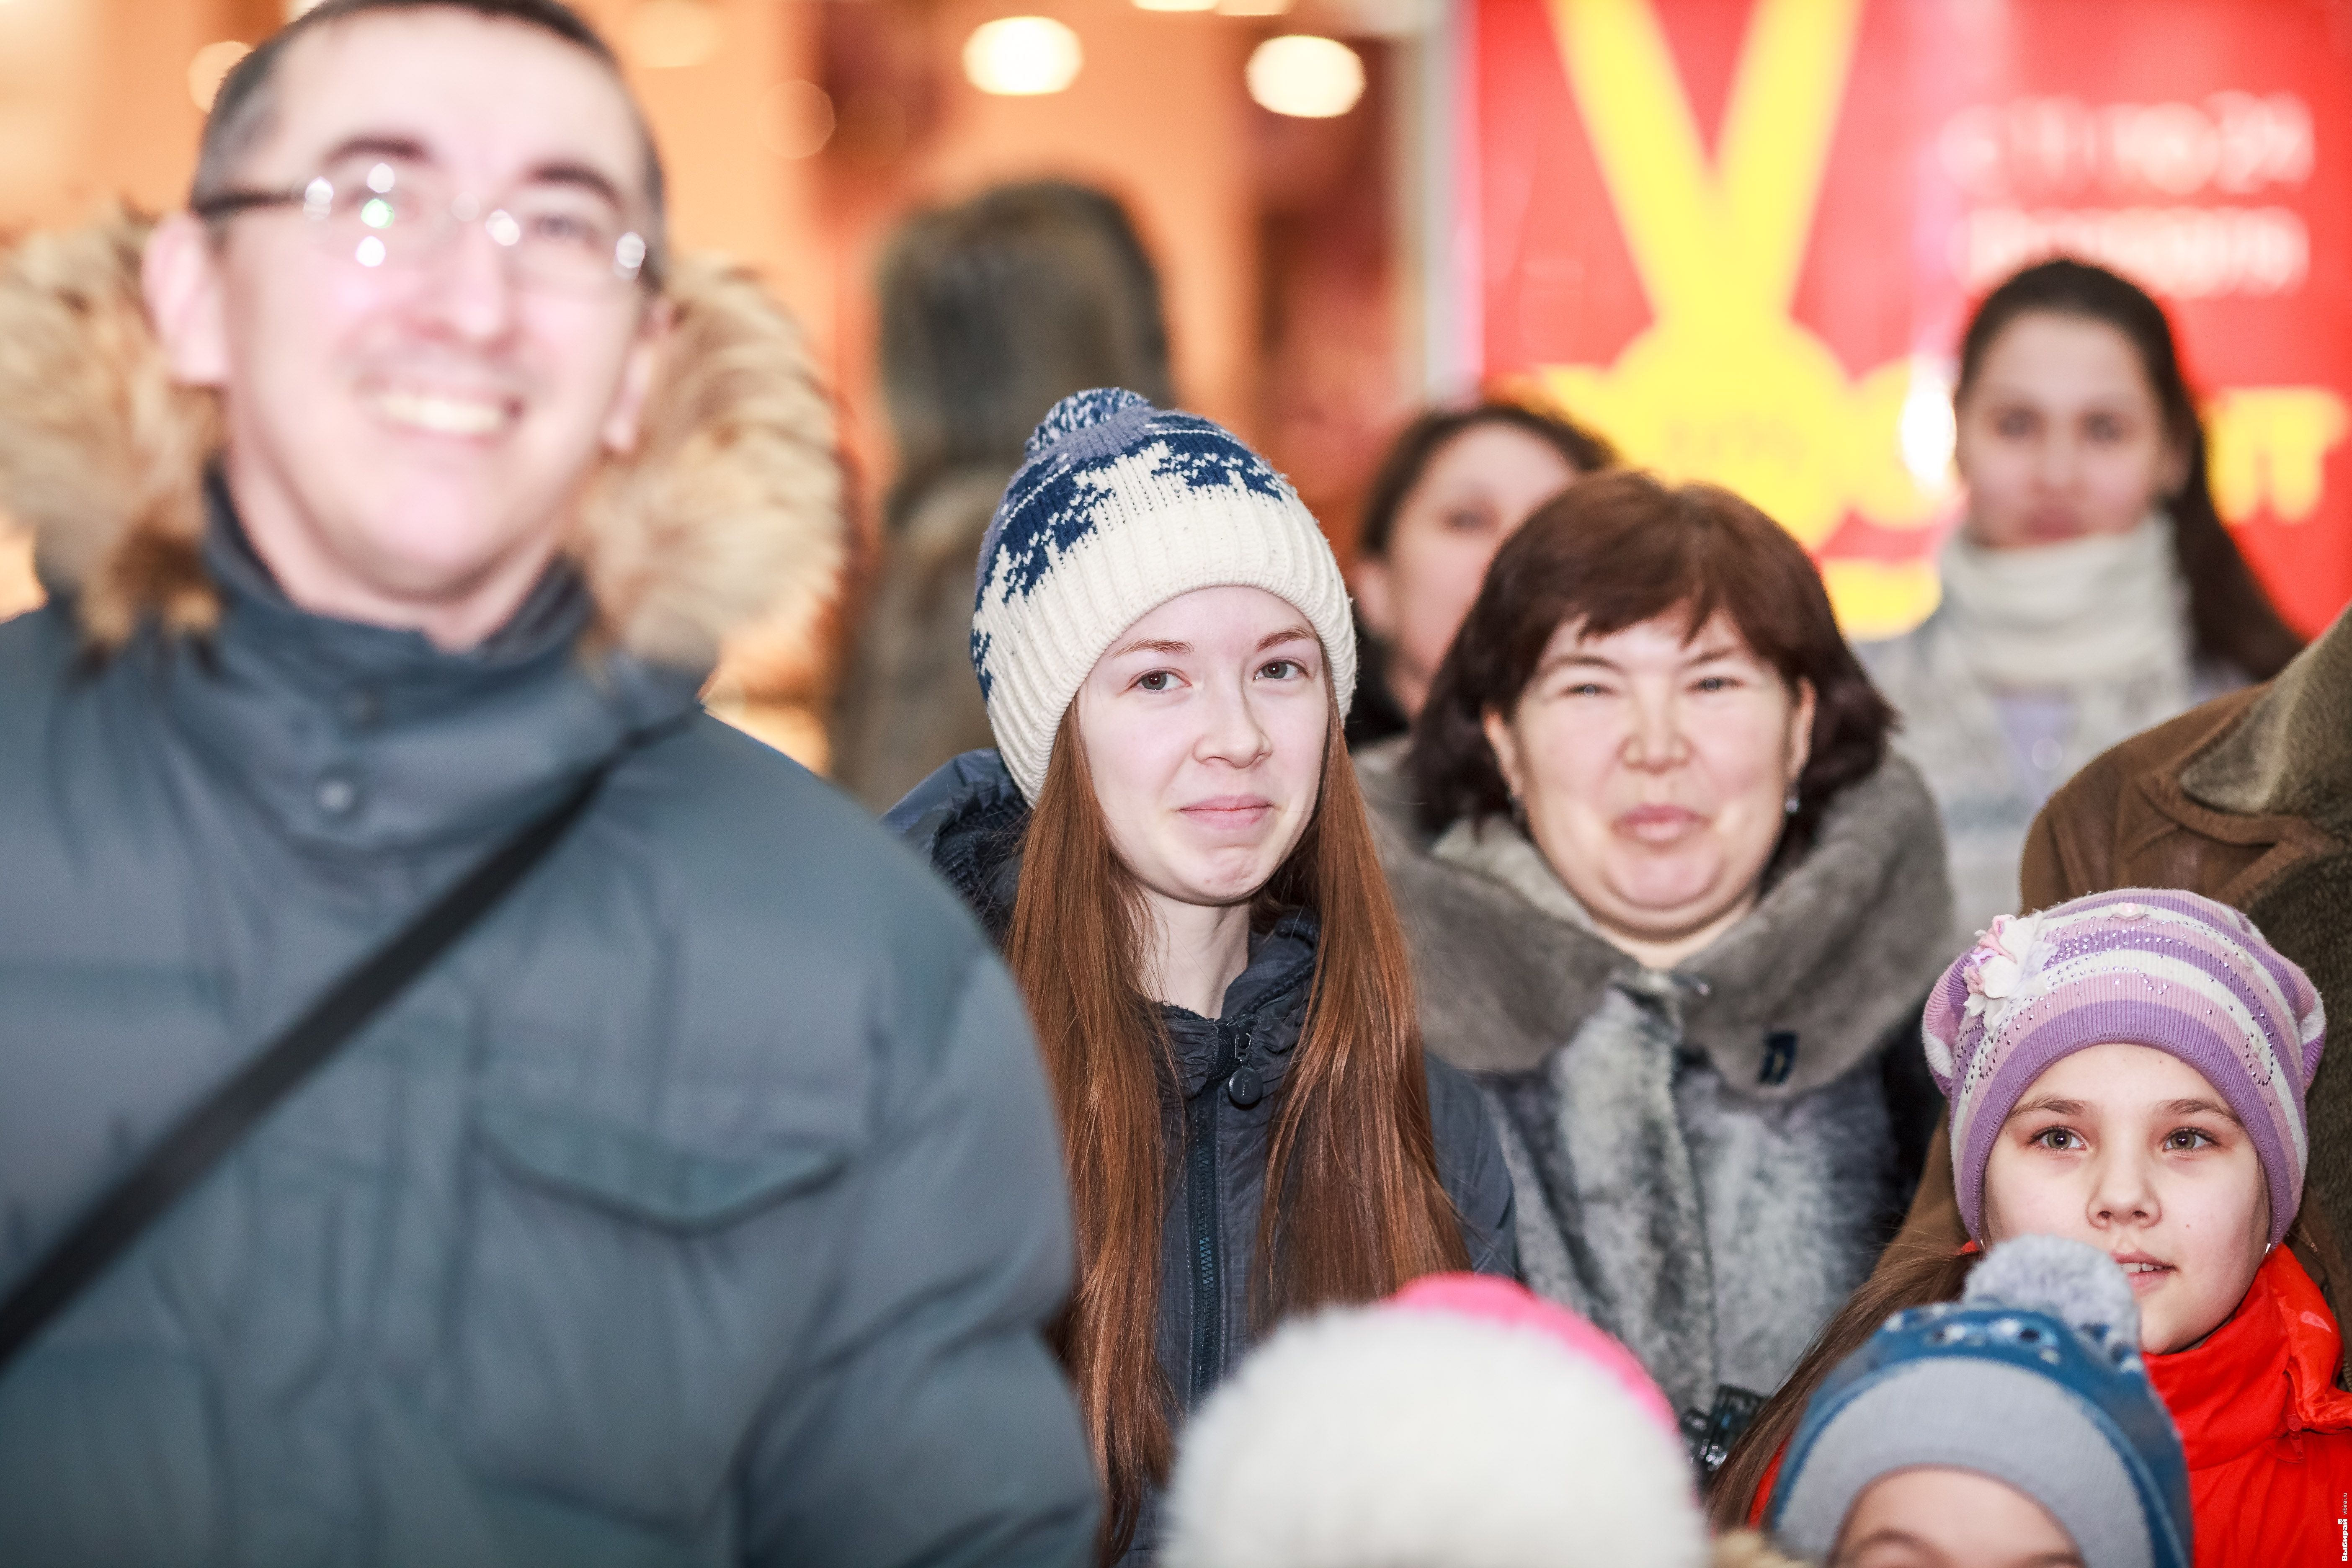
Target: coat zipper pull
x=1244 y=1088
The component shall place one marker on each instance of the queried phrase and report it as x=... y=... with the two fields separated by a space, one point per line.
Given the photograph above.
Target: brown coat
x=2247 y=799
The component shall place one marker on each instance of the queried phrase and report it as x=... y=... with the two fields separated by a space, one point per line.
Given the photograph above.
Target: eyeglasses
x=398 y=214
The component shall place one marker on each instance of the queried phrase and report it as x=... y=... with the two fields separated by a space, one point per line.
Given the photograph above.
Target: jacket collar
x=726 y=518
x=2290 y=754
x=1264 y=1004
x=2266 y=1373
x=364 y=737
x=1838 y=950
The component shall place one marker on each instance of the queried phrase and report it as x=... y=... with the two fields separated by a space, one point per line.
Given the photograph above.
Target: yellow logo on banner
x=2264 y=446
x=1724 y=385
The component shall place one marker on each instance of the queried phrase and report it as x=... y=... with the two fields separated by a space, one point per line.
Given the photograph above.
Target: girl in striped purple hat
x=2128 y=1069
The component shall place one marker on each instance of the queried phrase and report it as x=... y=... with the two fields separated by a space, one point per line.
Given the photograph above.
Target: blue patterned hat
x=1119 y=508
x=2032 y=1378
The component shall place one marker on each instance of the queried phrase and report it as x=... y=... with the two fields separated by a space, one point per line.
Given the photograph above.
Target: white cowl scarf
x=2096 y=630
x=2107 y=608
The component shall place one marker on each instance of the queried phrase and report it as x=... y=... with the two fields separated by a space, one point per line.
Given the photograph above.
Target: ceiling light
x=1175 y=5
x=1253 y=8
x=211 y=64
x=1300 y=74
x=1021 y=57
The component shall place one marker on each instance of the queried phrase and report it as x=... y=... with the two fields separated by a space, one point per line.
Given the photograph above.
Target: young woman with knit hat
x=1169 y=841
x=2128 y=1069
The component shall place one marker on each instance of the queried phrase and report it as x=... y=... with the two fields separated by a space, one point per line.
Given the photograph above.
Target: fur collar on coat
x=1844 y=944
x=1703 y=1159
x=727 y=515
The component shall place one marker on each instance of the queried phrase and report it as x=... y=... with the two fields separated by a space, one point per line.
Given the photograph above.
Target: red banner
x=1741 y=237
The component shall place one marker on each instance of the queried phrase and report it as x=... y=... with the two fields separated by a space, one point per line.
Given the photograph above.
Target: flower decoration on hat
x=1999 y=967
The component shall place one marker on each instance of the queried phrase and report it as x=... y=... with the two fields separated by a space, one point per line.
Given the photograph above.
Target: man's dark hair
x=1616 y=551
x=241 y=110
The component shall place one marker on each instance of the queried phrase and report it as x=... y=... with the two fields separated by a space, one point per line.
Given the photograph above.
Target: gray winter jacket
x=702 y=1207
x=1707 y=1160
x=969 y=819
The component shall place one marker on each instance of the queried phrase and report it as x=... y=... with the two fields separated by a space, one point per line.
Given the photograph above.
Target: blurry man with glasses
x=694 y=1199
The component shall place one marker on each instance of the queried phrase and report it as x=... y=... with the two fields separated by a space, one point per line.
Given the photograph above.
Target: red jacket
x=2267 y=1433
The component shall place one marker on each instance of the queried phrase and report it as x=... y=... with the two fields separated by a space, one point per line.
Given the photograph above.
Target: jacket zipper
x=1207 y=1214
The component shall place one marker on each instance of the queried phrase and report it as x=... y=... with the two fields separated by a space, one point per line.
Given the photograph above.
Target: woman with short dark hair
x=1672 y=898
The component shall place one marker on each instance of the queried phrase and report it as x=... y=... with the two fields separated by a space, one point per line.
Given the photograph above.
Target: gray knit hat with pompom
x=2034 y=1379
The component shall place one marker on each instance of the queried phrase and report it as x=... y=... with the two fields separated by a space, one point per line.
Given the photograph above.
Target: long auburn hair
x=1353 y=1205
x=1917 y=1271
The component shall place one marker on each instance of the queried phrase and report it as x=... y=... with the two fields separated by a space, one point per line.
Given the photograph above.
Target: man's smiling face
x=406 y=442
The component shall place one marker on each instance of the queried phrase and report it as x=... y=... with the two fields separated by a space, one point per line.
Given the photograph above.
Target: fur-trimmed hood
x=727 y=515
x=1840 y=947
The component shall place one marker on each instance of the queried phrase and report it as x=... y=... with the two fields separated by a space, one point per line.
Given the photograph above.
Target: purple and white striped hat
x=2147 y=966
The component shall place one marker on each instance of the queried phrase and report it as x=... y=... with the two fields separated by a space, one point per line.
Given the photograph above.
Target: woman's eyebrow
x=1276 y=639
x=1575 y=659
x=1157 y=645
x=2050 y=1104
x=2195 y=1107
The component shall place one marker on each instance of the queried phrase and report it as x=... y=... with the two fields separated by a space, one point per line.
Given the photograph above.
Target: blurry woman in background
x=1673 y=900
x=1453 y=486
x=991 y=311
x=2090 y=591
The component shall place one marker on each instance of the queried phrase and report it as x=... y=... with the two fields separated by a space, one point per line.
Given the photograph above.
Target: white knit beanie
x=1119 y=508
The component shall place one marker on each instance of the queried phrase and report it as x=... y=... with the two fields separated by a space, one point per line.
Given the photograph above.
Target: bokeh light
x=795 y=118
x=1022 y=56
x=1300 y=74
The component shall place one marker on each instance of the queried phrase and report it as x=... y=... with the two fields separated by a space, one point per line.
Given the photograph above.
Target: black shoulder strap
x=199 y=1140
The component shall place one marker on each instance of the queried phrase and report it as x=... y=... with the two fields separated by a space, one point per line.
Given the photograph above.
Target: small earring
x=1518 y=813
x=1792 y=805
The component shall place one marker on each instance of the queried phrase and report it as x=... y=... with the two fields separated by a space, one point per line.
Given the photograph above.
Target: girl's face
x=1474 y=492
x=2061 y=435
x=2130 y=1149
x=1935 y=1517
x=1654 y=767
x=1204 y=727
